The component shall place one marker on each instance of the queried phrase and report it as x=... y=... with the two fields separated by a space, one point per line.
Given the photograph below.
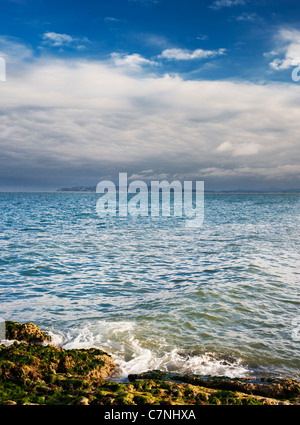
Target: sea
x=221 y=299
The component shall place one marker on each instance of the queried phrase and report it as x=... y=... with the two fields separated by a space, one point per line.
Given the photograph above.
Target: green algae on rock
x=32 y=373
x=28 y=332
x=266 y=390
x=45 y=362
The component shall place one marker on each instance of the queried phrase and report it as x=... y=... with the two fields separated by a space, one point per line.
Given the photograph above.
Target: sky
x=160 y=89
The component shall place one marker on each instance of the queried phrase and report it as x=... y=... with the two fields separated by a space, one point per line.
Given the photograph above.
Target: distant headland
x=273 y=190
x=78 y=189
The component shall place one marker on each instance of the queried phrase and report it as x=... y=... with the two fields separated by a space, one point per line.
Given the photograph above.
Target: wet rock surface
x=36 y=372
x=28 y=332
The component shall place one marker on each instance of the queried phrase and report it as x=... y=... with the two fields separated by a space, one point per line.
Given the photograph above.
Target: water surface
x=216 y=300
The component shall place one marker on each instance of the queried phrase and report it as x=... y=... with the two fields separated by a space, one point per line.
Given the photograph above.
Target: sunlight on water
x=216 y=300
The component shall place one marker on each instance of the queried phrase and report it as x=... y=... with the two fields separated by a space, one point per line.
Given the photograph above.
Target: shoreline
x=33 y=371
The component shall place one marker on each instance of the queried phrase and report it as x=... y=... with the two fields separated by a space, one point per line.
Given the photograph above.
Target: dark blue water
x=221 y=299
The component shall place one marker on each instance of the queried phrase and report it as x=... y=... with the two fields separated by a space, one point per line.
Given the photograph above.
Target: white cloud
x=202 y=37
x=13 y=51
x=57 y=39
x=183 y=54
x=239 y=149
x=134 y=61
x=54 y=39
x=288 y=49
x=220 y=4
x=270 y=54
x=111 y=19
x=248 y=17
x=225 y=147
x=154 y=40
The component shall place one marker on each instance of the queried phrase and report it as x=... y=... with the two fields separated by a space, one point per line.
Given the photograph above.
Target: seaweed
x=36 y=372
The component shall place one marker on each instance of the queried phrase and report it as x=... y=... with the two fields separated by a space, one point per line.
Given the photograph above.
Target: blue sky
x=95 y=29
x=157 y=88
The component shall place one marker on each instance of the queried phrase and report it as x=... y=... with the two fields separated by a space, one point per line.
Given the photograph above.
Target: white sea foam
x=56 y=338
x=133 y=355
x=178 y=361
x=8 y=342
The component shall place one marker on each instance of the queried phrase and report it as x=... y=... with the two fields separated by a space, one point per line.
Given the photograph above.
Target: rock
x=84 y=401
x=35 y=373
x=279 y=388
x=21 y=361
x=28 y=332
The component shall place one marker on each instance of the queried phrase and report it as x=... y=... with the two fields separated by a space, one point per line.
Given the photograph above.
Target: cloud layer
x=70 y=122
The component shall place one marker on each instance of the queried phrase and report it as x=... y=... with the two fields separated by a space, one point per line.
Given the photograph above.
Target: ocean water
x=222 y=299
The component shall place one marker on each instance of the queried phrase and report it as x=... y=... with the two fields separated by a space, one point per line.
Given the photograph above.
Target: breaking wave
x=133 y=355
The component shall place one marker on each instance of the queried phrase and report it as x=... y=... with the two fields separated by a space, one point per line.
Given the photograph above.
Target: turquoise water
x=216 y=300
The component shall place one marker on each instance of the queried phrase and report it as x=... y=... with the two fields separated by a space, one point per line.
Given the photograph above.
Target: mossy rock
x=44 y=361
x=150 y=374
x=278 y=388
x=125 y=398
x=36 y=373
x=144 y=399
x=28 y=332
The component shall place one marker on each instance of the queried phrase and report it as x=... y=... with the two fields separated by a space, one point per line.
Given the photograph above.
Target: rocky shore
x=33 y=371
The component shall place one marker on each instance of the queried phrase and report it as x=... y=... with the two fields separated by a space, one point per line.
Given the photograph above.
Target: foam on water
x=132 y=355
x=177 y=361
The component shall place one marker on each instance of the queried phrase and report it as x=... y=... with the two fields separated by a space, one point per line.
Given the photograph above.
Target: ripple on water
x=230 y=288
